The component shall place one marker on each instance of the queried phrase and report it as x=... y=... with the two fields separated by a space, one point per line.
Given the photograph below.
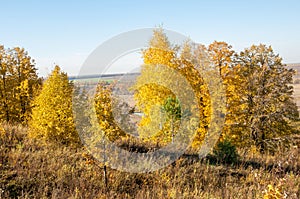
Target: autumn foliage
x=52 y=115
x=249 y=93
x=258 y=96
x=19 y=84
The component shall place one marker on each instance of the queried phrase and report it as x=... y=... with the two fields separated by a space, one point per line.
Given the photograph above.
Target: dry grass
x=31 y=170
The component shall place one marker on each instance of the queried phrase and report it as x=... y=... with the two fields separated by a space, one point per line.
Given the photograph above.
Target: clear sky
x=66 y=32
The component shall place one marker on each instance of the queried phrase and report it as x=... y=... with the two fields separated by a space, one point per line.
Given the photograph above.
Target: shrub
x=226 y=152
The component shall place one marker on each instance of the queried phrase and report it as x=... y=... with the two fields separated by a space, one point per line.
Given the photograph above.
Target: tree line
x=257 y=87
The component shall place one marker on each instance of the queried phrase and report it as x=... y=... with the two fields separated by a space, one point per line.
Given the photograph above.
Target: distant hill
x=111 y=77
x=295 y=66
x=296 y=85
x=102 y=76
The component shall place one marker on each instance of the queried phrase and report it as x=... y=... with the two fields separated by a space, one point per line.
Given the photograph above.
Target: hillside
x=31 y=170
x=93 y=79
x=296 y=66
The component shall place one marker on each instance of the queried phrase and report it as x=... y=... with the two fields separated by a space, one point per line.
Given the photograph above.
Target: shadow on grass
x=244 y=164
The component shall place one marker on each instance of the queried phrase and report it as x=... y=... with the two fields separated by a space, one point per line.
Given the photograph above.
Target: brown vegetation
x=32 y=170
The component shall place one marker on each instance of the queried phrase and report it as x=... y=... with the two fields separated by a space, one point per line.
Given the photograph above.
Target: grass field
x=31 y=170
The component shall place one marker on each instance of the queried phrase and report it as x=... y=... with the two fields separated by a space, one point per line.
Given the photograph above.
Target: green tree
x=52 y=115
x=172 y=109
x=19 y=84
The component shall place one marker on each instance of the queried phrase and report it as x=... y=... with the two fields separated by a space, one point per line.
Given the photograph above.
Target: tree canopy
x=19 y=84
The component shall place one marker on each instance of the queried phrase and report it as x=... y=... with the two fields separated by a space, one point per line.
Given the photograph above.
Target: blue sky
x=66 y=32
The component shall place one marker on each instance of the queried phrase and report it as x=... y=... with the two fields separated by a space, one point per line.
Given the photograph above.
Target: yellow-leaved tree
x=151 y=97
x=160 y=121
x=52 y=115
x=221 y=56
x=104 y=103
x=19 y=84
x=192 y=66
